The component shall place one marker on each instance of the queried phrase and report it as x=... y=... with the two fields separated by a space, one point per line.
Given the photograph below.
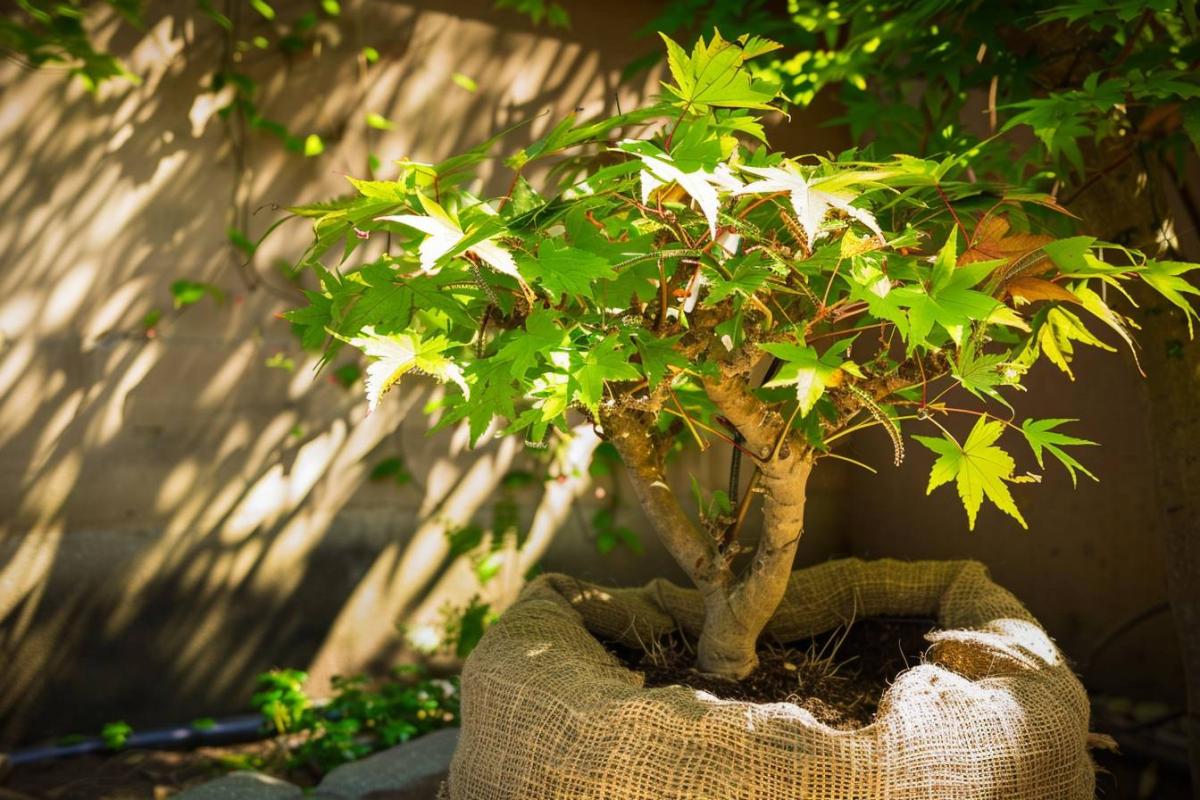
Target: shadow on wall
x=170 y=504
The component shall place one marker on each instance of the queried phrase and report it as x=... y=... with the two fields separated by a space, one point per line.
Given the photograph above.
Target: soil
x=839 y=676
x=138 y=774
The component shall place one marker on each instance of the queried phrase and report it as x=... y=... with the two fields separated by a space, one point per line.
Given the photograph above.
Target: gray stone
x=243 y=786
x=411 y=771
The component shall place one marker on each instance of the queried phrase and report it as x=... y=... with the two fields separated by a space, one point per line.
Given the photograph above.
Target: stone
x=243 y=786
x=410 y=771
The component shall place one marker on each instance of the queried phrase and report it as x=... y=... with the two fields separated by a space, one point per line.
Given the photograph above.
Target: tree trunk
x=737 y=608
x=728 y=646
x=734 y=619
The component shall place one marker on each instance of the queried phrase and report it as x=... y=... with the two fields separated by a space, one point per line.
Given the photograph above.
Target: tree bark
x=734 y=619
x=732 y=626
x=737 y=608
x=694 y=550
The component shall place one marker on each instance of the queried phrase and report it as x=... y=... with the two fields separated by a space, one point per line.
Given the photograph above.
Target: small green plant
x=465 y=626
x=116 y=734
x=361 y=717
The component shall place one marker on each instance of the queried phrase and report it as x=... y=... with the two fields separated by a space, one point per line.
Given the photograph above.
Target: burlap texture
x=993 y=712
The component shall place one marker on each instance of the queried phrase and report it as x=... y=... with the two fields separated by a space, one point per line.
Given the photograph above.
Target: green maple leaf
x=525 y=348
x=605 y=361
x=1165 y=277
x=493 y=395
x=391 y=356
x=746 y=279
x=715 y=75
x=981 y=374
x=309 y=322
x=384 y=303
x=978 y=467
x=657 y=354
x=950 y=300
x=561 y=269
x=1041 y=436
x=1070 y=255
x=810 y=373
x=1054 y=337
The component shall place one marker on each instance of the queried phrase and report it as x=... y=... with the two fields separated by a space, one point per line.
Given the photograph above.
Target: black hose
x=231 y=730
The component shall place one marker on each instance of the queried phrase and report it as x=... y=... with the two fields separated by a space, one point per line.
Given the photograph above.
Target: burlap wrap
x=993 y=712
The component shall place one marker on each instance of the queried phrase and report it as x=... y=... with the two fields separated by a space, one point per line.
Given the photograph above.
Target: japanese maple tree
x=679 y=284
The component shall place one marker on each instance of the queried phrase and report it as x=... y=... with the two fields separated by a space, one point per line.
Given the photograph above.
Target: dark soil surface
x=839 y=677
x=137 y=774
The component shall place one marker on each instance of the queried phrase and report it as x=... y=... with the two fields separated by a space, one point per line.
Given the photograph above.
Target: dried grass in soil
x=839 y=676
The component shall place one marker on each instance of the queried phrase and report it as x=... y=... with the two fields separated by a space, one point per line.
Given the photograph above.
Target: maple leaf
x=494 y=395
x=605 y=361
x=1166 y=277
x=701 y=184
x=810 y=202
x=714 y=75
x=1016 y=253
x=1041 y=436
x=562 y=269
x=395 y=354
x=443 y=235
x=658 y=355
x=950 y=300
x=978 y=467
x=810 y=373
x=1029 y=290
x=525 y=348
x=982 y=374
x=1054 y=337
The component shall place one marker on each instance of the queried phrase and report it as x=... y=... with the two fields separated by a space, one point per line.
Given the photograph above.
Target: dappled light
x=172 y=499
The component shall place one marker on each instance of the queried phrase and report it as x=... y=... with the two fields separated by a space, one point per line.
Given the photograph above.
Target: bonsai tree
x=677 y=283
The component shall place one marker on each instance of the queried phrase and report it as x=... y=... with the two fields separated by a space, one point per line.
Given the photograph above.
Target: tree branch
x=758 y=423
x=761 y=586
x=911 y=373
x=694 y=550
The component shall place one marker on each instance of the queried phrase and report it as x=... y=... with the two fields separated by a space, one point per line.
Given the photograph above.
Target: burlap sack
x=993 y=712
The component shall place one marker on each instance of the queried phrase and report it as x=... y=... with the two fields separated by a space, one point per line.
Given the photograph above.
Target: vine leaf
x=978 y=467
x=1041 y=436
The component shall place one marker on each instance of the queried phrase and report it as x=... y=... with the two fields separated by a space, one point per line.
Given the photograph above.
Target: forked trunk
x=737 y=606
x=736 y=614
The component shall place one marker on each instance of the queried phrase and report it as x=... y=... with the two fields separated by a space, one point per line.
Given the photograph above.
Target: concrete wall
x=175 y=516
